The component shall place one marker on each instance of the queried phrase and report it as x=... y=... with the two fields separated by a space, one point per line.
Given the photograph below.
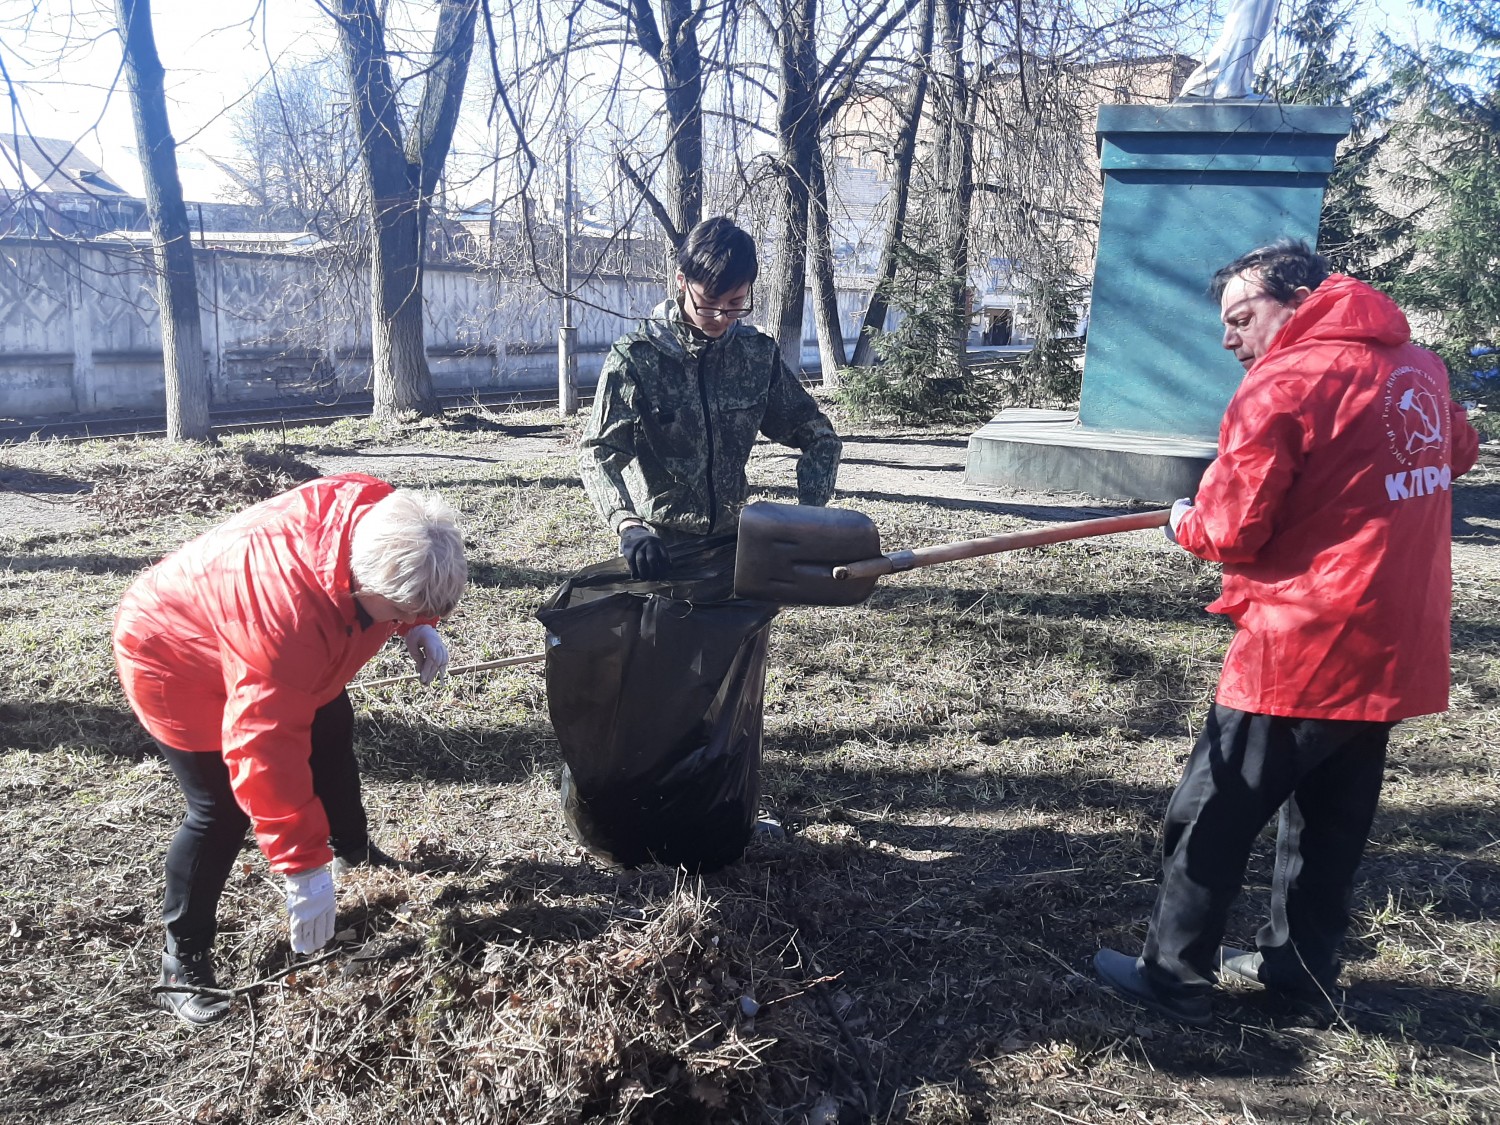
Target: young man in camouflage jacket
x=679 y=404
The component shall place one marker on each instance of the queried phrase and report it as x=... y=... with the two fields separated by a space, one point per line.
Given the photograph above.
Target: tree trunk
x=955 y=167
x=399 y=182
x=677 y=56
x=825 y=293
x=903 y=155
x=797 y=117
x=682 y=68
x=171 y=235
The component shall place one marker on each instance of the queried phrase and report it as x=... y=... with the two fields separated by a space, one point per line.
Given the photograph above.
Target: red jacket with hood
x=232 y=643
x=1330 y=507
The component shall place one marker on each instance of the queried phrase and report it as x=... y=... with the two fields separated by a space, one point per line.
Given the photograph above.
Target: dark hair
x=718 y=256
x=1283 y=267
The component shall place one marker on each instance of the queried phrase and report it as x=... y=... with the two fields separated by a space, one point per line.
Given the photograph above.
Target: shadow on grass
x=524 y=483
x=910 y=466
x=504 y=576
x=388 y=748
x=1067 y=611
x=900 y=439
x=83 y=564
x=955 y=949
x=1471 y=502
x=37 y=482
x=393 y=749
x=1049 y=513
x=50 y=726
x=1475 y=633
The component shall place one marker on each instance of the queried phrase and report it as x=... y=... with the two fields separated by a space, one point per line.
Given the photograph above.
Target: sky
x=64 y=58
x=61 y=58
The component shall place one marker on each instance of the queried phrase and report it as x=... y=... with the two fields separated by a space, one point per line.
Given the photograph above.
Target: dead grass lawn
x=972 y=766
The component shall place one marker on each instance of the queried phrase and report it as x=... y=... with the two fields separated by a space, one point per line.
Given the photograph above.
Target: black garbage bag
x=656 y=691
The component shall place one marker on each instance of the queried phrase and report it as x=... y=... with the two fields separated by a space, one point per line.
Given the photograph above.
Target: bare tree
x=171 y=236
x=298 y=161
x=810 y=95
x=903 y=154
x=832 y=355
x=400 y=178
x=673 y=45
x=797 y=141
x=953 y=160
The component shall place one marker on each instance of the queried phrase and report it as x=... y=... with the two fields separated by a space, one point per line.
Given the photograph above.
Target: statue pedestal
x=1048 y=451
x=1187 y=189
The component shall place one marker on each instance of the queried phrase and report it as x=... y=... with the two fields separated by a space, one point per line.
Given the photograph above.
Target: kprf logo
x=1414 y=418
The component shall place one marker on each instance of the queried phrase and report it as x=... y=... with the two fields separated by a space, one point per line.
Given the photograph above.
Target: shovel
x=455 y=670
x=795 y=555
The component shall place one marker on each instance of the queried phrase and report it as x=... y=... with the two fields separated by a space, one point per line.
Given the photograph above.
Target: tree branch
x=658 y=209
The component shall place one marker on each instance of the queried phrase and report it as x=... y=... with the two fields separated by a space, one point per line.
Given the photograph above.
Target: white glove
x=1179 y=509
x=428 y=652
x=310 y=908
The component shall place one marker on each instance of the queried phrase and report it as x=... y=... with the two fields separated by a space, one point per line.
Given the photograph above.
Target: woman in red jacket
x=235 y=653
x=1330 y=508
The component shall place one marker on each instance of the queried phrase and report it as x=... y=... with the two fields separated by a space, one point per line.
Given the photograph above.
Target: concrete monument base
x=1048 y=450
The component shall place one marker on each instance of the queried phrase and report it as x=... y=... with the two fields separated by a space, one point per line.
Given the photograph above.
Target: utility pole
x=567 y=332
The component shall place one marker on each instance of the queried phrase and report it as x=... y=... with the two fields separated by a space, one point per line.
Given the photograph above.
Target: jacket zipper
x=708 y=430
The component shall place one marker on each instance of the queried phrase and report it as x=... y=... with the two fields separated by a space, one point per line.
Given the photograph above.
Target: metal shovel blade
x=787 y=553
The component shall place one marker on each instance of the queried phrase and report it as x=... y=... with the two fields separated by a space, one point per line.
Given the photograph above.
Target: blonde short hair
x=407 y=548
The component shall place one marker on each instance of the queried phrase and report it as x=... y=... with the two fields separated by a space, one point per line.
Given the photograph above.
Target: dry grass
x=160 y=480
x=972 y=766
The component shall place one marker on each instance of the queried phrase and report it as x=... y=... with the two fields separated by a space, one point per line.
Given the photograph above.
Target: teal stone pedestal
x=1187 y=188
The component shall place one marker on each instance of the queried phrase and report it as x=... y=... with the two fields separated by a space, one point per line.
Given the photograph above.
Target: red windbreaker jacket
x=231 y=644
x=1330 y=507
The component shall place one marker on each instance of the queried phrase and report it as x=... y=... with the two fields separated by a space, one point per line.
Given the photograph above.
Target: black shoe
x=1246 y=965
x=367 y=856
x=1122 y=975
x=177 y=992
x=768 y=828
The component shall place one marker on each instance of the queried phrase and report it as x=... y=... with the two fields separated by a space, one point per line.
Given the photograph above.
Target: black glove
x=647 y=555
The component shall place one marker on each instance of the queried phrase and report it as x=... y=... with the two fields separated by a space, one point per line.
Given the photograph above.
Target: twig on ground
x=868 y=1087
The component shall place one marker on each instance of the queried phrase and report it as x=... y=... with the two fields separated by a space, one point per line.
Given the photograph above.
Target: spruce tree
x=1452 y=166
x=1320 y=65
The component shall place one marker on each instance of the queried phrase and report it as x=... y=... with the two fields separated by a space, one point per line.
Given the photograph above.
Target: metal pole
x=567 y=332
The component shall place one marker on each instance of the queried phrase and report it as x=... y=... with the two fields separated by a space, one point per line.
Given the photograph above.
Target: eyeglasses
x=722 y=314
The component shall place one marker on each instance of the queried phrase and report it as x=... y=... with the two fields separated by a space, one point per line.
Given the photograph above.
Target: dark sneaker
x=367 y=856
x=1122 y=975
x=768 y=828
x=181 y=978
x=1246 y=965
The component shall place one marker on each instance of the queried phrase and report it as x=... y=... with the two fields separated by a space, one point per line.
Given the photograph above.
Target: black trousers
x=1324 y=777
x=202 y=853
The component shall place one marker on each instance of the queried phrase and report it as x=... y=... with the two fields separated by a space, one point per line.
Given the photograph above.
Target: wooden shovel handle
x=994 y=544
x=454 y=671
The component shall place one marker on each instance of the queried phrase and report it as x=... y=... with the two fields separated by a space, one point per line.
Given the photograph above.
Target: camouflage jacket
x=674 y=420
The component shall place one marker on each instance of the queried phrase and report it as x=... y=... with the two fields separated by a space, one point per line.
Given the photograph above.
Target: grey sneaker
x=177 y=992
x=1122 y=976
x=1246 y=965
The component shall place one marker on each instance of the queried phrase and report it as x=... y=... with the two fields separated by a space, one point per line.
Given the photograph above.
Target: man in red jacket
x=235 y=653
x=1329 y=506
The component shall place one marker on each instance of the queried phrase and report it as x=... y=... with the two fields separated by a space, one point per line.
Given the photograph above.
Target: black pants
x=1324 y=777
x=203 y=851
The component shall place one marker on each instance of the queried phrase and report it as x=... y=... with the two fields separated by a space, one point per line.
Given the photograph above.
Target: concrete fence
x=79 y=327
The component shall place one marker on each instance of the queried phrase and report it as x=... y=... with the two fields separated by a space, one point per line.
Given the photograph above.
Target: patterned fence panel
x=79 y=328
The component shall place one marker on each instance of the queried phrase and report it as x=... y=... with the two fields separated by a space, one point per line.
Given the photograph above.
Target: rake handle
x=994 y=544
x=462 y=668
